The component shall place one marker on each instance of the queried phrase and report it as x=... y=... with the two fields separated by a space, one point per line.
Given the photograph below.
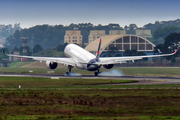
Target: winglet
x=175 y=52
x=98 y=52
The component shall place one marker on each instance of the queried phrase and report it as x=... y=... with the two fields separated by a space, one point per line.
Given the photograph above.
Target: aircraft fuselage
x=81 y=57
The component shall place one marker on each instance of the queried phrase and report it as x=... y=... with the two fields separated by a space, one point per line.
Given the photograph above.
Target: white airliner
x=83 y=59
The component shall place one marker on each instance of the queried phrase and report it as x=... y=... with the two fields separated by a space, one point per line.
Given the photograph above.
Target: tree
x=61 y=47
x=130 y=52
x=17 y=35
x=15 y=49
x=27 y=48
x=37 y=48
x=118 y=55
x=131 y=28
x=2 y=54
x=142 y=54
x=135 y=53
x=173 y=60
x=107 y=55
x=171 y=43
x=127 y=52
x=162 y=24
x=158 y=49
x=164 y=32
x=112 y=51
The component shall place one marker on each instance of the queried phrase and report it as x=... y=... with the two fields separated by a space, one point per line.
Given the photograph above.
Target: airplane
x=83 y=59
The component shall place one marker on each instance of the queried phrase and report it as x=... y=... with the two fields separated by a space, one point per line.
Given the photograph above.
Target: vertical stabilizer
x=98 y=52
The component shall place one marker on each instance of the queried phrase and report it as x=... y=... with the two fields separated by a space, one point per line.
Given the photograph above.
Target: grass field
x=90 y=104
x=152 y=71
x=135 y=71
x=62 y=83
x=33 y=83
x=45 y=98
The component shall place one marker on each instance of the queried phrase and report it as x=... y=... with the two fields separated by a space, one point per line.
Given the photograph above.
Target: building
x=144 y=33
x=24 y=48
x=95 y=34
x=117 y=32
x=73 y=36
x=122 y=43
x=14 y=59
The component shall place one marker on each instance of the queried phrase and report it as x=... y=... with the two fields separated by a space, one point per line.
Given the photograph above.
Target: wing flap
x=67 y=61
x=117 y=60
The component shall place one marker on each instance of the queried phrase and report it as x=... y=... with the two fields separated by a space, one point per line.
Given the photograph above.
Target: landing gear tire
x=69 y=73
x=96 y=73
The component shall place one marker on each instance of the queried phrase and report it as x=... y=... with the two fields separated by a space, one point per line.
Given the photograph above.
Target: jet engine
x=108 y=66
x=51 y=65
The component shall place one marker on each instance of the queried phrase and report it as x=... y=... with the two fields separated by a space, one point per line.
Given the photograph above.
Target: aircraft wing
x=67 y=61
x=116 y=60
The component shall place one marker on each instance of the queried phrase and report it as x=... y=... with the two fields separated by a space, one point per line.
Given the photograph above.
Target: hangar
x=122 y=43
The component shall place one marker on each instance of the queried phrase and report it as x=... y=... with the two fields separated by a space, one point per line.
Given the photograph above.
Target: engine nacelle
x=109 y=66
x=51 y=65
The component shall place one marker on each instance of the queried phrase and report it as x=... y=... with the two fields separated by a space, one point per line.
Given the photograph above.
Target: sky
x=55 y=12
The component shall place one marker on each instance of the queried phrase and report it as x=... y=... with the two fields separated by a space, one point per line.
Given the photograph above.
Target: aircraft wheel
x=96 y=73
x=69 y=73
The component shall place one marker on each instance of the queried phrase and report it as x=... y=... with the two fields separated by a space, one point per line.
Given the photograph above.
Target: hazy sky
x=124 y=12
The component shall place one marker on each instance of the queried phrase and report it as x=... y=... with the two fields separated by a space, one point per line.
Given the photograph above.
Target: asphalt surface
x=142 y=80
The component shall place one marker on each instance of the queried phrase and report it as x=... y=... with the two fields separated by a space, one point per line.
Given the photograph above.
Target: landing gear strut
x=69 y=67
x=96 y=73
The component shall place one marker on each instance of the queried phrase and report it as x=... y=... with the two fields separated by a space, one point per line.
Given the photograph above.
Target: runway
x=142 y=80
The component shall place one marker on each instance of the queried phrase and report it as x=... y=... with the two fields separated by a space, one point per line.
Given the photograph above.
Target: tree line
x=49 y=36
x=171 y=43
x=7 y=30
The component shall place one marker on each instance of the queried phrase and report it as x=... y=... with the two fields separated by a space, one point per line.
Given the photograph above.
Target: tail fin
x=98 y=52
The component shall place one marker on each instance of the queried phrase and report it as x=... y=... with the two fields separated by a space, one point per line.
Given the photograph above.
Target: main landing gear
x=69 y=67
x=96 y=73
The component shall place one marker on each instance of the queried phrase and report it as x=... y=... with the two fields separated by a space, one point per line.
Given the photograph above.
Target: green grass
x=18 y=64
x=151 y=71
x=38 y=83
x=75 y=98
x=49 y=117
x=33 y=83
x=135 y=71
x=90 y=104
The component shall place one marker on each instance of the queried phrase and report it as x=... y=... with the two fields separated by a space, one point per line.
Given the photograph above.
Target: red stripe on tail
x=175 y=51
x=98 y=52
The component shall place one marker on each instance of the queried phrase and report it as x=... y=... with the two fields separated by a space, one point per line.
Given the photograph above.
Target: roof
x=108 y=39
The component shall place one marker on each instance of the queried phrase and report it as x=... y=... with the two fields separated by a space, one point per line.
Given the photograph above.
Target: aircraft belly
x=81 y=66
x=93 y=68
